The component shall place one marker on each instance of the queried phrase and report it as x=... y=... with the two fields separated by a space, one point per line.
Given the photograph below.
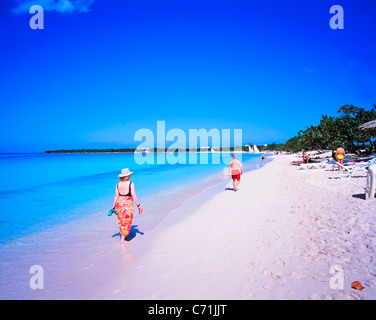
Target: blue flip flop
x=111 y=212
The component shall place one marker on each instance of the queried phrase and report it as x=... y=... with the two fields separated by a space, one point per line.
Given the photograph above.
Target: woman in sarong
x=125 y=194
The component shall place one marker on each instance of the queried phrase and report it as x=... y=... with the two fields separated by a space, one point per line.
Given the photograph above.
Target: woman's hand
x=140 y=210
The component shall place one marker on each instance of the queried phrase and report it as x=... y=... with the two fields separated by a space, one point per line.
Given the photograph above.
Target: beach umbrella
x=369 y=127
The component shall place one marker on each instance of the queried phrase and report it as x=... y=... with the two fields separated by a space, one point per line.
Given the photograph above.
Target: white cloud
x=63 y=6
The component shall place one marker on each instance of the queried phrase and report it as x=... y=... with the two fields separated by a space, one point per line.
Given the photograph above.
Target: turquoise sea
x=53 y=210
x=39 y=191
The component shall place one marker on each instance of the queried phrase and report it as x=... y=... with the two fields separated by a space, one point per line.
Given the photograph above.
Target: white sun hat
x=125 y=173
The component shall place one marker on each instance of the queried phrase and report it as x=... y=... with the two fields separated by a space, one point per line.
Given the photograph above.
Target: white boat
x=253 y=149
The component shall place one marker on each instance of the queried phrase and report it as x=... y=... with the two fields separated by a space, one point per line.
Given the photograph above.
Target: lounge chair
x=372 y=161
x=314 y=165
x=336 y=164
x=348 y=171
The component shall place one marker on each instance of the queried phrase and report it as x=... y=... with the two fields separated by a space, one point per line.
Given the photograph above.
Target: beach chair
x=304 y=166
x=359 y=170
x=372 y=161
x=355 y=170
x=334 y=163
x=314 y=165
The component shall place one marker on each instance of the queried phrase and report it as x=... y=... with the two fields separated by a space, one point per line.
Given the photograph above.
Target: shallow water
x=38 y=191
x=53 y=209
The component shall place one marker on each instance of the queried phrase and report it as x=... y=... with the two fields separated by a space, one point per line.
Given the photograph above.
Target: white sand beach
x=276 y=238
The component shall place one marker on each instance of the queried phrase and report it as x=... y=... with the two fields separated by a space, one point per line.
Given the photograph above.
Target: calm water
x=38 y=191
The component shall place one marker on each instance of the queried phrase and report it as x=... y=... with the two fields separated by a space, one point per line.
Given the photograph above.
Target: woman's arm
x=116 y=196
x=134 y=196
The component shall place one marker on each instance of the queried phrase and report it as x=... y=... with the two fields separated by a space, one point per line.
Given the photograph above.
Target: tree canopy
x=332 y=132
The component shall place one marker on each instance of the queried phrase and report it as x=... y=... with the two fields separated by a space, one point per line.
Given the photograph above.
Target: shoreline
x=102 y=177
x=152 y=152
x=49 y=247
x=278 y=240
x=115 y=258
x=112 y=262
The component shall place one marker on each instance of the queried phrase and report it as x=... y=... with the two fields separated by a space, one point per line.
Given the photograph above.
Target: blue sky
x=101 y=70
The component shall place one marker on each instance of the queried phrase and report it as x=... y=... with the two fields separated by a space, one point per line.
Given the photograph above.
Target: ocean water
x=53 y=211
x=40 y=191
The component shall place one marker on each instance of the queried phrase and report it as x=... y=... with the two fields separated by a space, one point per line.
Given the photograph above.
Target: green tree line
x=91 y=150
x=332 y=132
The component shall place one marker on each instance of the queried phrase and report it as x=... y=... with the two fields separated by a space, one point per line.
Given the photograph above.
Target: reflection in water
x=126 y=256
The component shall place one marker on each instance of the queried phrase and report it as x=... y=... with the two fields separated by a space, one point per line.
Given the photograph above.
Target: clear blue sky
x=100 y=70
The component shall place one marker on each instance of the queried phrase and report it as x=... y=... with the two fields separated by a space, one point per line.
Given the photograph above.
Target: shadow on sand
x=131 y=235
x=359 y=196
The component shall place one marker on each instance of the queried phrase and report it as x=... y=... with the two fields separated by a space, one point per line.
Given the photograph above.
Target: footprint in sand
x=279 y=262
x=248 y=288
x=321 y=277
x=280 y=280
x=137 y=268
x=89 y=267
x=253 y=265
x=266 y=273
x=318 y=296
x=301 y=274
x=252 y=280
x=270 y=285
x=115 y=292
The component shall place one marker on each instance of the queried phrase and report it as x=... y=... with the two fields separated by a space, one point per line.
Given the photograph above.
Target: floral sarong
x=124 y=208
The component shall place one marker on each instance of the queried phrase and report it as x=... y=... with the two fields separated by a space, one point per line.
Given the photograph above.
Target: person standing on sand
x=235 y=170
x=263 y=158
x=125 y=194
x=305 y=156
x=340 y=154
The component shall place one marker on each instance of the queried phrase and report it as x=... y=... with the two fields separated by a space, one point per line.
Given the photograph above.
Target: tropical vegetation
x=332 y=132
x=329 y=134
